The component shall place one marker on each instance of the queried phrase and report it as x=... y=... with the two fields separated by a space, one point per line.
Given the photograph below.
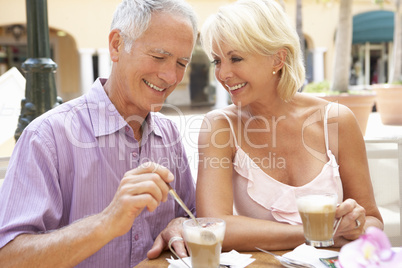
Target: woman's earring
x=273 y=72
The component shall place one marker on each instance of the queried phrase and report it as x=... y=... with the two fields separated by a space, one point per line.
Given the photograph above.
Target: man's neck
x=134 y=118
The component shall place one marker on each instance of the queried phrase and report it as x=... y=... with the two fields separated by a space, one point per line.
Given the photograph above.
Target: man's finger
x=151 y=167
x=155 y=187
x=145 y=183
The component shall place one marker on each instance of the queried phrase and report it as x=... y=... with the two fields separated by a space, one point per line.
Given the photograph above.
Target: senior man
x=81 y=174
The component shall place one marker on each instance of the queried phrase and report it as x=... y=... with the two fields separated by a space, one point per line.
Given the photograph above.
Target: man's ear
x=115 y=44
x=279 y=59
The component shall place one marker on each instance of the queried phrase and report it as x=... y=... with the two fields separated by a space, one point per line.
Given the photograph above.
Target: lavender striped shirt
x=68 y=164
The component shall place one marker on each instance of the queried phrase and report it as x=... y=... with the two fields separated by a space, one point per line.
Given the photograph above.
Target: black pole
x=40 y=89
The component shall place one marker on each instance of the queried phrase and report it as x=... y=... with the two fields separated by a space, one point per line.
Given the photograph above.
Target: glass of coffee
x=204 y=241
x=317 y=212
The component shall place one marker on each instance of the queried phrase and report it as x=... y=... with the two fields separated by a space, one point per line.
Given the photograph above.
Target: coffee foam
x=193 y=234
x=316 y=203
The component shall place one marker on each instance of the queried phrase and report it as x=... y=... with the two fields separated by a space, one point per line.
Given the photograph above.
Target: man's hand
x=173 y=229
x=144 y=186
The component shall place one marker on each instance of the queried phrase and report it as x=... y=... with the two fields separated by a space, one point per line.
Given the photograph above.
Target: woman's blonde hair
x=262 y=27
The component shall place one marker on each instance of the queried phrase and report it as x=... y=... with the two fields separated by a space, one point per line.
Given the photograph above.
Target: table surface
x=261 y=260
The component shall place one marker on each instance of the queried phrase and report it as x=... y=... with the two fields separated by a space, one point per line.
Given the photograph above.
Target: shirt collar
x=151 y=125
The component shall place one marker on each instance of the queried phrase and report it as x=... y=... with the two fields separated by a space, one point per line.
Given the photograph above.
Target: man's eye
x=158 y=58
x=182 y=64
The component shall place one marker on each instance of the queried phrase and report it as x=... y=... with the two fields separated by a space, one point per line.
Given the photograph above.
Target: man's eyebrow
x=162 y=51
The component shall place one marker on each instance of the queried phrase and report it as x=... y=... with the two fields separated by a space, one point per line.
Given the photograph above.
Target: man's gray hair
x=132 y=17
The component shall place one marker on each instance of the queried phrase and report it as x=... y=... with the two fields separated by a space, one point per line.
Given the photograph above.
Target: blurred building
x=79 y=42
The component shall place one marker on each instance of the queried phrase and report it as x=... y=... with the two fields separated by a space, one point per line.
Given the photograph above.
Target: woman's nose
x=224 y=73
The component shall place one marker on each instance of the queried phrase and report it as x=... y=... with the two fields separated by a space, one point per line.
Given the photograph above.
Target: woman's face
x=247 y=77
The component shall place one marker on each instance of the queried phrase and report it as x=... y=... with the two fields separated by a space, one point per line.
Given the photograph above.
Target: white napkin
x=311 y=255
x=232 y=258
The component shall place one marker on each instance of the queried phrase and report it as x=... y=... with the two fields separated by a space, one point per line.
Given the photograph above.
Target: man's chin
x=156 y=107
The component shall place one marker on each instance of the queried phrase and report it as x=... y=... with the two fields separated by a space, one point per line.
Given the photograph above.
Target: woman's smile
x=236 y=87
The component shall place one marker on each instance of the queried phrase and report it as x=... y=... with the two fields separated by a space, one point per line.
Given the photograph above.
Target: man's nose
x=168 y=73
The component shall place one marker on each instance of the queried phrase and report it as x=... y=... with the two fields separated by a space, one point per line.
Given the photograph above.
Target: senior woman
x=273 y=142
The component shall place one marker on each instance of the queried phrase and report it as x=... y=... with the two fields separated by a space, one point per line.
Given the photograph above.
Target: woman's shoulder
x=335 y=109
x=219 y=121
x=309 y=100
x=217 y=126
x=228 y=113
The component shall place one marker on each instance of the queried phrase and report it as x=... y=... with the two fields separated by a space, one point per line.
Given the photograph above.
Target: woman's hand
x=353 y=220
x=173 y=230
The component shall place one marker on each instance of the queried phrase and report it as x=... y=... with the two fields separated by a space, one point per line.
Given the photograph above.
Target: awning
x=373 y=27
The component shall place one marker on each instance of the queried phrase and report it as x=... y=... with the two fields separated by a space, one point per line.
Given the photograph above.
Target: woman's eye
x=236 y=59
x=215 y=62
x=158 y=58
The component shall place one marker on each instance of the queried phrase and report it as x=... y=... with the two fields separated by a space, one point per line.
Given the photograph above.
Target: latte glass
x=204 y=242
x=317 y=212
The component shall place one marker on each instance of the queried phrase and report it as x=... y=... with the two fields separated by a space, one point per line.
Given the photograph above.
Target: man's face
x=147 y=75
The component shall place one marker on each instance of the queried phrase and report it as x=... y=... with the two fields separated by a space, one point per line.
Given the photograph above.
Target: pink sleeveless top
x=257 y=195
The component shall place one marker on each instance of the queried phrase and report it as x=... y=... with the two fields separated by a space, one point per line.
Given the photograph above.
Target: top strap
x=231 y=126
x=326 y=125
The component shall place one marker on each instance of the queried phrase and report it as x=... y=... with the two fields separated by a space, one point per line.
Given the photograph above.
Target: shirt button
x=134 y=154
x=136 y=237
x=127 y=129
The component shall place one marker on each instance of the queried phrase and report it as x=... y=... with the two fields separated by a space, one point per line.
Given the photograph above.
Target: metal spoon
x=289 y=262
x=173 y=193
x=206 y=235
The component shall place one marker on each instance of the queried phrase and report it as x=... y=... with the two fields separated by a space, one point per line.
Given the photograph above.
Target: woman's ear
x=115 y=44
x=279 y=59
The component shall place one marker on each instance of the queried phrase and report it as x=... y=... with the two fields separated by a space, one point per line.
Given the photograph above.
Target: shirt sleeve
x=30 y=197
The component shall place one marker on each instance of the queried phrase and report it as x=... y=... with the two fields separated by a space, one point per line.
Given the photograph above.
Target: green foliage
x=324 y=88
x=317 y=87
x=381 y=2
